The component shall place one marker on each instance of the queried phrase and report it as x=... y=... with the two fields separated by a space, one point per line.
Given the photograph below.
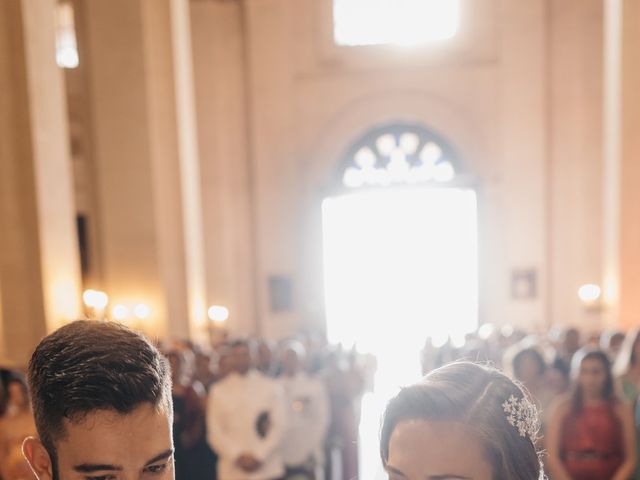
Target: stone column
x=224 y=143
x=39 y=260
x=629 y=167
x=575 y=62
x=145 y=153
x=621 y=172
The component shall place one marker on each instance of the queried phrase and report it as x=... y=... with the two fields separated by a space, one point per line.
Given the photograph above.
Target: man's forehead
x=100 y=426
x=143 y=413
x=107 y=435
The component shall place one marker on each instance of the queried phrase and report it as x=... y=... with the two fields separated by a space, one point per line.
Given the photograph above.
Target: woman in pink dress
x=591 y=434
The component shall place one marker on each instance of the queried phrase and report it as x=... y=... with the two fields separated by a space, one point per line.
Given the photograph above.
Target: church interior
x=394 y=184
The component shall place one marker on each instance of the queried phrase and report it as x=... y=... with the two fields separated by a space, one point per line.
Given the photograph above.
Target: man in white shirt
x=307 y=407
x=246 y=421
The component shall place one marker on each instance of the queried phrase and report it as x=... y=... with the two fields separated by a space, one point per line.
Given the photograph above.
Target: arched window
x=399 y=263
x=399 y=154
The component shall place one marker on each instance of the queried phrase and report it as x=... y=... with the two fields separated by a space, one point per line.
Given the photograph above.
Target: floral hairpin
x=522 y=414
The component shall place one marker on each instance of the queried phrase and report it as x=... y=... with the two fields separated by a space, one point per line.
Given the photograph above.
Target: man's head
x=264 y=357
x=242 y=356
x=101 y=397
x=293 y=356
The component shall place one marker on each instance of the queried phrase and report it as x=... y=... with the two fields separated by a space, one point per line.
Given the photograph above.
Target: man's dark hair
x=240 y=342
x=88 y=366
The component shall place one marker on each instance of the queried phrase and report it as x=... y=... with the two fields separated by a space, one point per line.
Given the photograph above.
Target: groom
x=101 y=397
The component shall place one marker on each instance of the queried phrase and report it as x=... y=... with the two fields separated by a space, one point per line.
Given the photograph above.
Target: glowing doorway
x=400 y=265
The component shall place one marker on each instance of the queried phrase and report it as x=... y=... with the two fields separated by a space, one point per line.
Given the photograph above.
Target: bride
x=462 y=421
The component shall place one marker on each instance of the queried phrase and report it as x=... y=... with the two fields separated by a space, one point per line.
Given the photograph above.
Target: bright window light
x=397 y=22
x=400 y=265
x=400 y=262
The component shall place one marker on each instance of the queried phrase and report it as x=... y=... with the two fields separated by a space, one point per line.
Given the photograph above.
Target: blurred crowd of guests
x=250 y=409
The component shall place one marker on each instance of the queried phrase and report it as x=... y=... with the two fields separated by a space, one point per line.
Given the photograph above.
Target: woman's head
x=453 y=424
x=528 y=365
x=17 y=393
x=176 y=364
x=591 y=371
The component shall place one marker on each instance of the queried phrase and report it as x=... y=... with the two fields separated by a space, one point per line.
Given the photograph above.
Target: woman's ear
x=38 y=458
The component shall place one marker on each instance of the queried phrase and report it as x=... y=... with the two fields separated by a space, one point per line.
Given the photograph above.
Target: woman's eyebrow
x=394 y=470
x=447 y=476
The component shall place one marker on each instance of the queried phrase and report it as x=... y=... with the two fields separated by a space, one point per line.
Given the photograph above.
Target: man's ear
x=38 y=458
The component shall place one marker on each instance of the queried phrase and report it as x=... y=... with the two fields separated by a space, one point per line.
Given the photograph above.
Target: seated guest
x=4 y=375
x=344 y=382
x=529 y=367
x=462 y=421
x=611 y=342
x=225 y=365
x=567 y=344
x=204 y=368
x=194 y=460
x=101 y=398
x=591 y=435
x=263 y=358
x=16 y=425
x=246 y=420
x=307 y=408
x=627 y=369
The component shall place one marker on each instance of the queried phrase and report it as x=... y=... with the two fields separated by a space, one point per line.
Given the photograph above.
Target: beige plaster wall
x=576 y=156
x=135 y=151
x=39 y=271
x=220 y=76
x=518 y=92
x=630 y=167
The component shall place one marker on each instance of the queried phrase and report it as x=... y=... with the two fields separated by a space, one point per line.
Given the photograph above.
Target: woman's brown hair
x=608 y=390
x=472 y=394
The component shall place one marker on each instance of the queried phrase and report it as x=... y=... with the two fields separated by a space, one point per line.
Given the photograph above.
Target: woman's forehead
x=430 y=448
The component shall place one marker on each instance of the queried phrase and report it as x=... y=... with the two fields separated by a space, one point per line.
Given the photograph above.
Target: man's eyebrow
x=162 y=456
x=90 y=468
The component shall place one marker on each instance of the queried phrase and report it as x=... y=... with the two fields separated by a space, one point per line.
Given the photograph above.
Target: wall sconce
x=589 y=294
x=218 y=316
x=132 y=316
x=95 y=302
x=142 y=311
x=120 y=312
x=218 y=313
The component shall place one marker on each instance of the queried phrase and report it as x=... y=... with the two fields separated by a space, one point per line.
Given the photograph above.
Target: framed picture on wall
x=280 y=293
x=524 y=284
